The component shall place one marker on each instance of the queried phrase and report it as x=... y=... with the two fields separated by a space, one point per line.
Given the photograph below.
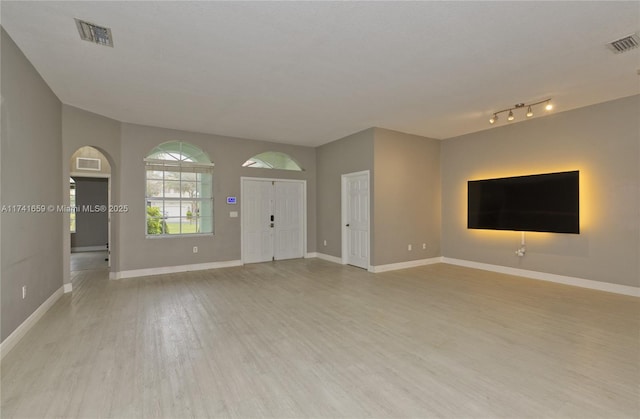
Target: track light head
x=549 y=106
x=493 y=119
x=510 y=117
x=529 y=112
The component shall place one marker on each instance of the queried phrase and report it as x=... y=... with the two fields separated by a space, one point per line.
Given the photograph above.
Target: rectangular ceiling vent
x=87 y=163
x=625 y=44
x=94 y=33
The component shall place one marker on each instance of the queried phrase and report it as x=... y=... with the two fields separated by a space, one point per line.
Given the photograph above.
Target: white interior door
x=273 y=222
x=355 y=219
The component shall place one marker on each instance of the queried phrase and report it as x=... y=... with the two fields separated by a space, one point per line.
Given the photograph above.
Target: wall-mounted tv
x=547 y=202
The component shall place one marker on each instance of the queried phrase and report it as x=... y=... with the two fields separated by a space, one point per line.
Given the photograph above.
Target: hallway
x=83 y=261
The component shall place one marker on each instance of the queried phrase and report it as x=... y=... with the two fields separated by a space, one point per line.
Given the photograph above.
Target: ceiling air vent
x=94 y=33
x=624 y=44
x=87 y=163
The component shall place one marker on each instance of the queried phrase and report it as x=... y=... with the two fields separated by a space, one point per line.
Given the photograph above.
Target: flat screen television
x=547 y=202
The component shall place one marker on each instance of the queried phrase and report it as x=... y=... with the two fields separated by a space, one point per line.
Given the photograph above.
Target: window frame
x=181 y=163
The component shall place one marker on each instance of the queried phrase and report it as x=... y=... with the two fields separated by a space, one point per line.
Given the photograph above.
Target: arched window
x=179 y=185
x=273 y=160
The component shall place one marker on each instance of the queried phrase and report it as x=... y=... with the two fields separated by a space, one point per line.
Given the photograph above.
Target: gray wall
x=91 y=227
x=407 y=197
x=31 y=168
x=228 y=155
x=82 y=128
x=602 y=142
x=405 y=193
x=353 y=153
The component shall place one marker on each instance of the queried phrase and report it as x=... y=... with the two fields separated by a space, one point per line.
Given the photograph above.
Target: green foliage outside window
x=155 y=221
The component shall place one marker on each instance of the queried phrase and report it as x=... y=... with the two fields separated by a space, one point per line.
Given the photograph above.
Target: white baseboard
x=26 y=325
x=560 y=279
x=329 y=258
x=381 y=268
x=174 y=269
x=88 y=249
x=67 y=287
x=311 y=255
x=404 y=265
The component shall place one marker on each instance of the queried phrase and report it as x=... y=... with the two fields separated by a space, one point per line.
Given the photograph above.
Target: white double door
x=273 y=221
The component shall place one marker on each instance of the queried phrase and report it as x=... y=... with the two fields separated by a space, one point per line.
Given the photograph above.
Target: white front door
x=272 y=220
x=288 y=228
x=355 y=219
x=257 y=204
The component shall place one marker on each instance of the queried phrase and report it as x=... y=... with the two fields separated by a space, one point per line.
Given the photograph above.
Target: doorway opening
x=89 y=218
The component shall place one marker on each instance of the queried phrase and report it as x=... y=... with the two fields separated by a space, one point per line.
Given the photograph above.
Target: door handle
x=348 y=225
x=272 y=218
x=271 y=225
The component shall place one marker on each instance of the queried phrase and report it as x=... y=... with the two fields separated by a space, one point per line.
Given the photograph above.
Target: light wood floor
x=308 y=338
x=82 y=261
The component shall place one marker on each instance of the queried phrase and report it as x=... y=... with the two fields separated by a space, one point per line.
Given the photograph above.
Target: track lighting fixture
x=529 y=114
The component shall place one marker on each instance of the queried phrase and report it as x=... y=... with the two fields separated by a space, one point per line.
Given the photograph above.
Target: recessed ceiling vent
x=625 y=44
x=94 y=33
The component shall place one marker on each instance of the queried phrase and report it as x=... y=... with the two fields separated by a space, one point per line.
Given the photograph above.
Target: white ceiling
x=311 y=72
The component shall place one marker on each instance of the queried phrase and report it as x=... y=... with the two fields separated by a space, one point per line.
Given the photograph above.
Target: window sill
x=177 y=236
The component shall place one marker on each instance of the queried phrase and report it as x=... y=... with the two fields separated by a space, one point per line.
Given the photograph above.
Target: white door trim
x=94 y=175
x=304 y=209
x=109 y=204
x=343 y=219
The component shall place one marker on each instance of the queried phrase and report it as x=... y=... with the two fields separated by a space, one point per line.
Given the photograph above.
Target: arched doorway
x=89 y=195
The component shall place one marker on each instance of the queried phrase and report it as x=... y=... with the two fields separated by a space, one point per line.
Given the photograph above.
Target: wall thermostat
x=232 y=200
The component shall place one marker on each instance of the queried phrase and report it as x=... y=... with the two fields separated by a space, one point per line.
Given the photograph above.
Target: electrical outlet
x=325 y=242
x=424 y=246
x=24 y=292
x=408 y=247
x=195 y=249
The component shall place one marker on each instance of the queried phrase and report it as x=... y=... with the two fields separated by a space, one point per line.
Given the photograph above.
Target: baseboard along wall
x=174 y=269
x=26 y=325
x=543 y=276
